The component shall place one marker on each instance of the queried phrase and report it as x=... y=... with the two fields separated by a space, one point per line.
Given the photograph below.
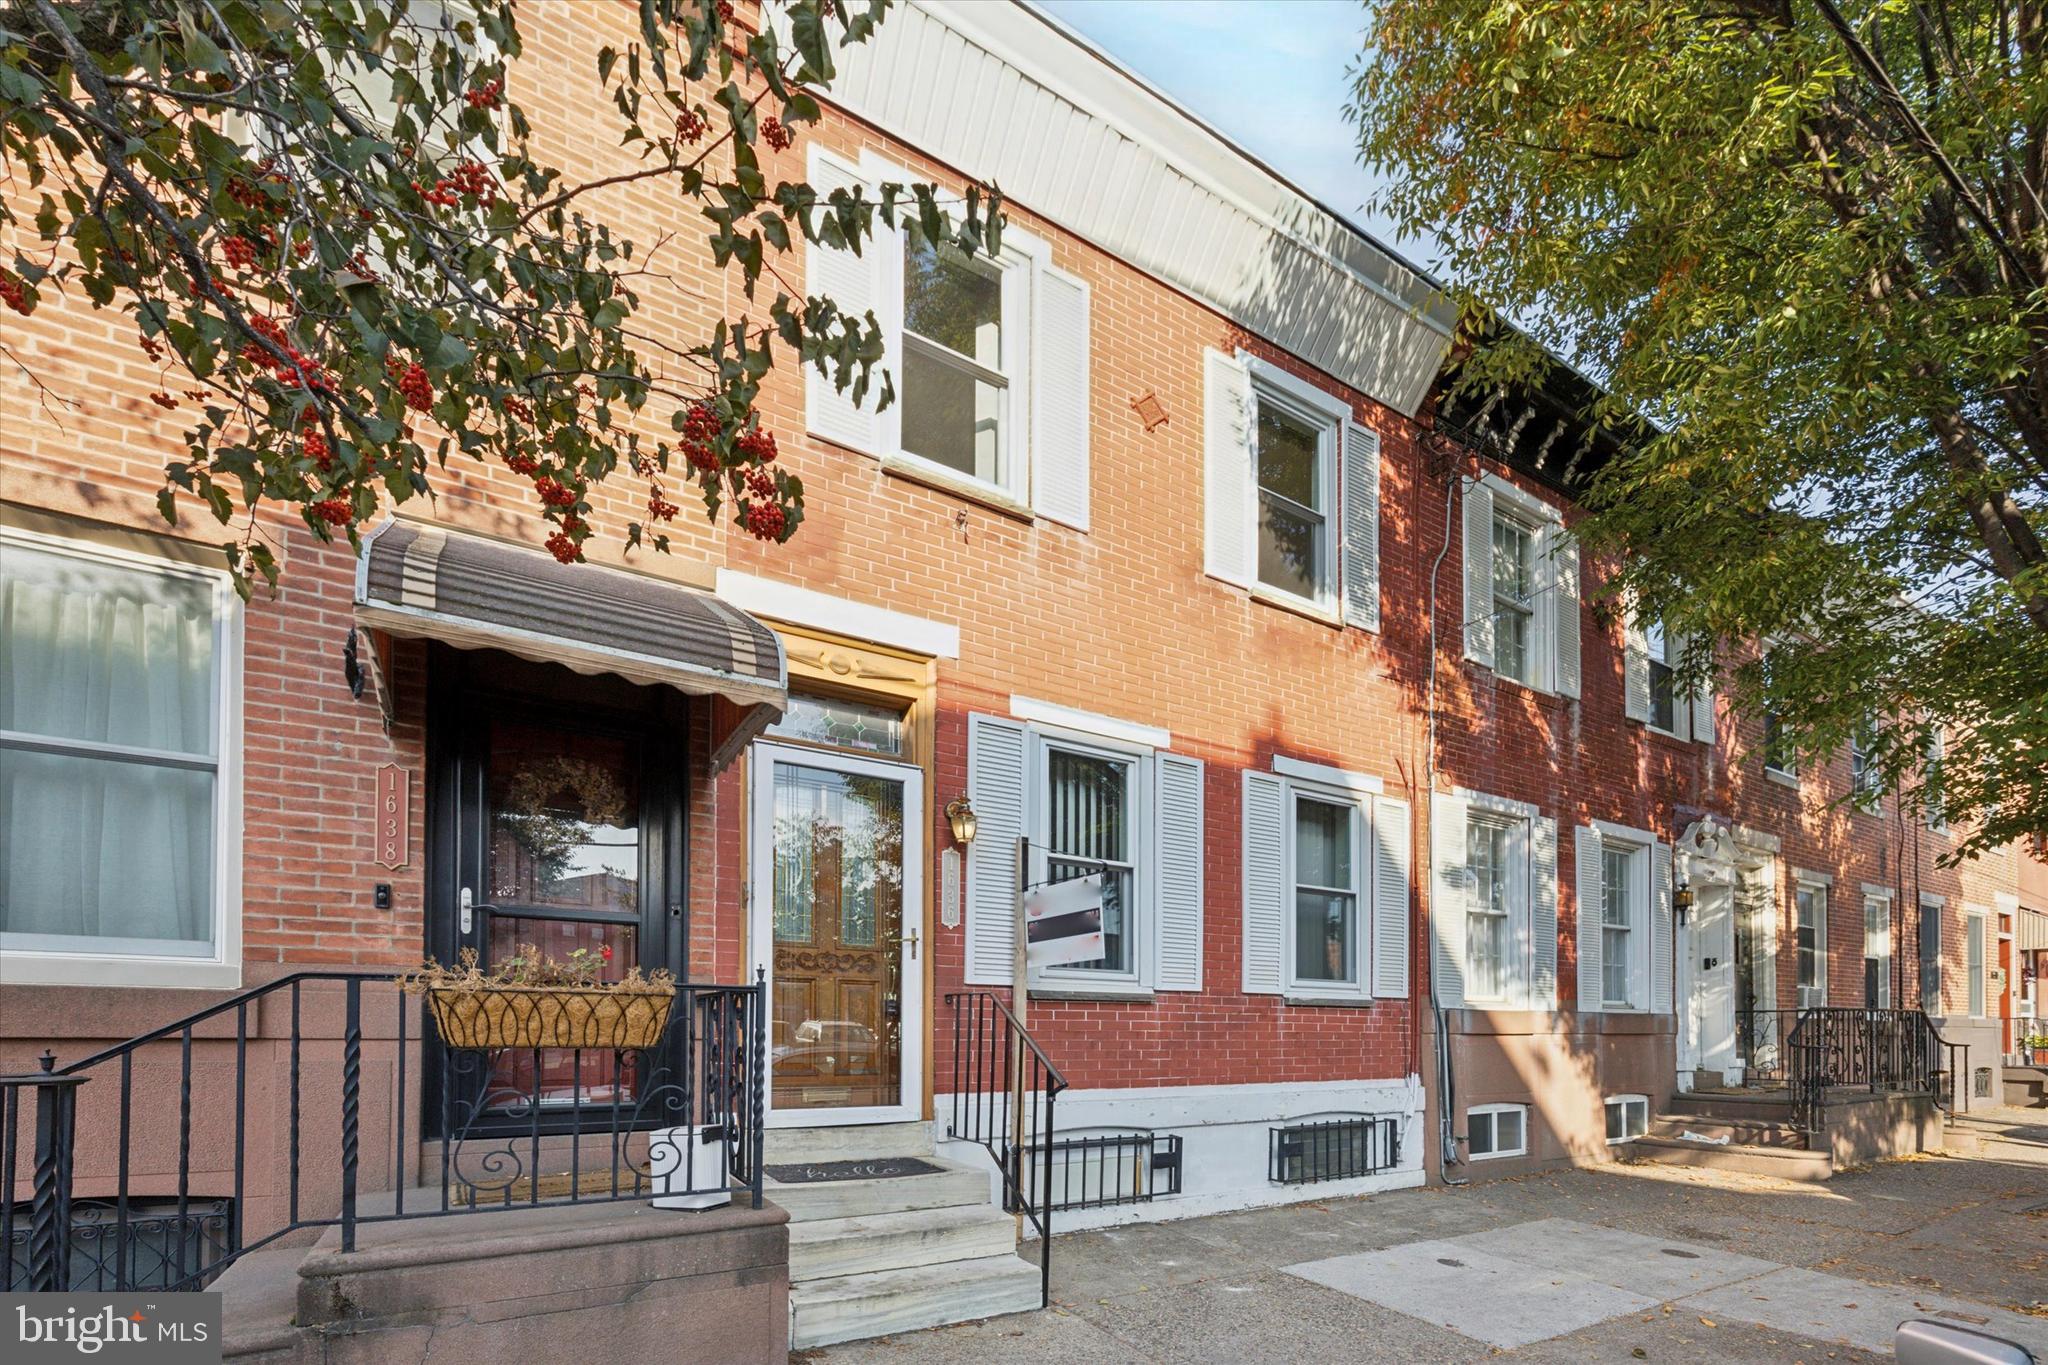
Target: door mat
x=879 y=1168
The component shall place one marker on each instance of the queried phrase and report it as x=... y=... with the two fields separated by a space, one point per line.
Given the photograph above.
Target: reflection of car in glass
x=831 y=1046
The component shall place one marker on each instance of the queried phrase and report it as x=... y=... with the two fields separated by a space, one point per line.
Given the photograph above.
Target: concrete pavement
x=1625 y=1263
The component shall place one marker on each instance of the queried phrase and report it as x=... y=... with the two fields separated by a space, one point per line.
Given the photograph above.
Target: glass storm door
x=837 y=902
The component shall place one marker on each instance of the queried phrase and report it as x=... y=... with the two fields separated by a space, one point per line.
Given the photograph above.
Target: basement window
x=1628 y=1116
x=1494 y=1130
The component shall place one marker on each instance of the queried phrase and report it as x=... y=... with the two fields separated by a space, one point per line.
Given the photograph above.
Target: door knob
x=1709 y=964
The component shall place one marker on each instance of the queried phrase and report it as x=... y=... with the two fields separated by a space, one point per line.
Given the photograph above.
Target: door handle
x=911 y=939
x=1709 y=964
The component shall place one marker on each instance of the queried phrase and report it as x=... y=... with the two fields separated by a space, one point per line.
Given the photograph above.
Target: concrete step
x=827 y=1248
x=1765 y=1106
x=259 y=1297
x=1786 y=1163
x=950 y=1186
x=855 y=1307
x=847 y=1142
x=1738 y=1131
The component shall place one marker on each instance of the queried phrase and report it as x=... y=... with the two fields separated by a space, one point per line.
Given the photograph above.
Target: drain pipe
x=1446 y=1083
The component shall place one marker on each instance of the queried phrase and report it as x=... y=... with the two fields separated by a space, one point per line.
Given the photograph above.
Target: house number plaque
x=394 y=816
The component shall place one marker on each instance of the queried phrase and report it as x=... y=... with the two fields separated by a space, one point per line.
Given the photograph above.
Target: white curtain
x=95 y=847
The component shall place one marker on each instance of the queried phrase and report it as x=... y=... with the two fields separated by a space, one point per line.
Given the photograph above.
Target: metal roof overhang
x=472 y=592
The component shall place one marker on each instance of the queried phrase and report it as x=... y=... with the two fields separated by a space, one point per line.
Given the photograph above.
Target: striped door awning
x=476 y=593
x=2031 y=932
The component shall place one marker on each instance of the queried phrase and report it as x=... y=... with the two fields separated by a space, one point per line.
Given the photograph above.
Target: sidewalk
x=1625 y=1263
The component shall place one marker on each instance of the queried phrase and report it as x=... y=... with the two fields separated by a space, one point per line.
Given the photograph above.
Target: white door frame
x=914 y=944
x=1713 y=865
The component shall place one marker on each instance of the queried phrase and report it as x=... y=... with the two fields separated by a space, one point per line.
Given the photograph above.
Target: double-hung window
x=1877 y=951
x=1973 y=963
x=1327 y=943
x=117 y=767
x=1297 y=460
x=1931 y=778
x=1495 y=903
x=1091 y=818
x=1866 y=784
x=961 y=328
x=1930 y=955
x=1810 y=905
x=1620 y=912
x=1662 y=647
x=1780 y=755
x=1514 y=597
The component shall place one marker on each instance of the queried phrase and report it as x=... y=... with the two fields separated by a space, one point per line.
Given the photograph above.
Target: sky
x=1269 y=74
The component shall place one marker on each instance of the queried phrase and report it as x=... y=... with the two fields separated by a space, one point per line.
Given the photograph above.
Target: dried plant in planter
x=533 y=1000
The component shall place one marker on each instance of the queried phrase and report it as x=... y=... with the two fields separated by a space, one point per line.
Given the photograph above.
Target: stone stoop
x=876 y=1256
x=1749 y=1132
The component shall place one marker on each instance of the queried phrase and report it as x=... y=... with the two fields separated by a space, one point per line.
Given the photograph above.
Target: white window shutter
x=1059 y=411
x=1703 y=710
x=1586 y=886
x=1635 y=667
x=1660 y=929
x=1227 y=491
x=852 y=281
x=1543 y=913
x=1565 y=574
x=1178 y=810
x=1478 y=573
x=1265 y=875
x=995 y=788
x=1393 y=844
x=1449 y=878
x=1361 y=526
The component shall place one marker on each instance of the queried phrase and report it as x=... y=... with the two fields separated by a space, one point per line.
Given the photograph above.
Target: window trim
x=1879 y=896
x=1651 y=664
x=1357 y=802
x=1546 y=525
x=1625 y=1101
x=1493 y=1129
x=36 y=965
x=1637 y=844
x=1329 y=431
x=1977 y=998
x=1866 y=790
x=1041 y=739
x=1924 y=960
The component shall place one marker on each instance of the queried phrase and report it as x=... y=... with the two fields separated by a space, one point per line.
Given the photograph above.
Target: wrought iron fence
x=1760 y=1043
x=1003 y=1091
x=1338 y=1148
x=1882 y=1051
x=507 y=1127
x=1104 y=1170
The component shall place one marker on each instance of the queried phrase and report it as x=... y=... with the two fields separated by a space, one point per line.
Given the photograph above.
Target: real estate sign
x=1063 y=920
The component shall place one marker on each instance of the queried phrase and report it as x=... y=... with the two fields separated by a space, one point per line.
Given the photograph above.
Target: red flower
x=605 y=952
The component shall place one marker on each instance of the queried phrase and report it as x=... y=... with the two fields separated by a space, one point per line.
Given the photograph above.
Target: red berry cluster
x=562 y=548
x=758 y=443
x=760 y=484
x=471 y=182
x=239 y=251
x=700 y=429
x=521 y=463
x=247 y=195
x=296 y=368
x=485 y=96
x=16 y=297
x=518 y=407
x=725 y=11
x=659 y=507
x=359 y=266
x=417 y=388
x=163 y=400
x=334 y=511
x=775 y=134
x=553 y=492
x=316 y=449
x=690 y=126
x=765 y=520
x=151 y=347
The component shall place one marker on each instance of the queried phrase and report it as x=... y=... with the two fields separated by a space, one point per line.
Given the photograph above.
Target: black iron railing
x=1003 y=1091
x=294 y=1098
x=1760 y=1038
x=1337 y=1148
x=1881 y=1051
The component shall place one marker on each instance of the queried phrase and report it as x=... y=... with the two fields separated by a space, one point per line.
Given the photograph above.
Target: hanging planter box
x=550 y=1016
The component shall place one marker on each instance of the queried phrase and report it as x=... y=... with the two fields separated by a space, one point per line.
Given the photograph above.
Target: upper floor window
x=115 y=744
x=1929 y=939
x=1662 y=648
x=1296 y=460
x=958 y=355
x=1866 y=783
x=1937 y=819
x=1780 y=754
x=1514 y=598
